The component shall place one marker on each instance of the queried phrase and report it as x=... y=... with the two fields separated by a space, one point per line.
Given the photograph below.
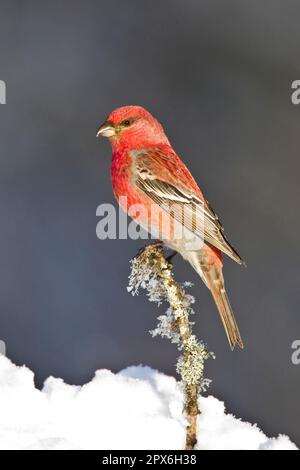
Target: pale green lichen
x=151 y=272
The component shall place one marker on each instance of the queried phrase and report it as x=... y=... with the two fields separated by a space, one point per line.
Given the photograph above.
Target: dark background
x=218 y=75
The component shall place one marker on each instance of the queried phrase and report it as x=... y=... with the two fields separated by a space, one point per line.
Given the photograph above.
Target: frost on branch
x=191 y=366
x=151 y=272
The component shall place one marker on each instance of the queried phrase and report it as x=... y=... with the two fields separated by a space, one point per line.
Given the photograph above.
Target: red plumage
x=148 y=172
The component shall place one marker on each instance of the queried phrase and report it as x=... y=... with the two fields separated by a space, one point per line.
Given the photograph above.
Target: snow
x=137 y=408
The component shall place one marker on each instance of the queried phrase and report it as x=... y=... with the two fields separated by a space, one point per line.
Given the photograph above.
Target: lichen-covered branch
x=151 y=271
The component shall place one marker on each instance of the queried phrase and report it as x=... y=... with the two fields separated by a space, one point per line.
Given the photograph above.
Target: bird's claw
x=156 y=244
x=171 y=256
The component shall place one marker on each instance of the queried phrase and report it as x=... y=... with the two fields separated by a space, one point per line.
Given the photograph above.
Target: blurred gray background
x=218 y=75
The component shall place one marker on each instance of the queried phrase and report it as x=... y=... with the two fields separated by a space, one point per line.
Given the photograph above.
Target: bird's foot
x=171 y=256
x=155 y=244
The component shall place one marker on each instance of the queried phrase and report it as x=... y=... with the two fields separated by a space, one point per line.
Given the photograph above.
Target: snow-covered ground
x=138 y=408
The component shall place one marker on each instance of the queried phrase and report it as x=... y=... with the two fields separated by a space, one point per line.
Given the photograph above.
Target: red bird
x=148 y=174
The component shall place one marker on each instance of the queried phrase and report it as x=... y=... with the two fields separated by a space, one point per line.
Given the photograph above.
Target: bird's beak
x=106 y=130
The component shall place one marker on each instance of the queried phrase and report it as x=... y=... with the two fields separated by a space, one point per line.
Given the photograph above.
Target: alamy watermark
x=295 y=96
x=170 y=222
x=296 y=353
x=2 y=92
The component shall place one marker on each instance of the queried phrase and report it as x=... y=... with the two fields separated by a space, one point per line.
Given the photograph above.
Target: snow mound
x=138 y=408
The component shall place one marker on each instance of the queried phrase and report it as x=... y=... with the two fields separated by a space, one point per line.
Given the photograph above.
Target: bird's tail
x=215 y=282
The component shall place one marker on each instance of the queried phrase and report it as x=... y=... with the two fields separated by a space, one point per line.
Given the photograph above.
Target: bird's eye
x=126 y=122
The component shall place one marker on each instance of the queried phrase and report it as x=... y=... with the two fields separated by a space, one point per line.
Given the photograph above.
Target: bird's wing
x=162 y=176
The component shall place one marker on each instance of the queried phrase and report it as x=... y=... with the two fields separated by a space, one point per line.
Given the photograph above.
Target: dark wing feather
x=193 y=212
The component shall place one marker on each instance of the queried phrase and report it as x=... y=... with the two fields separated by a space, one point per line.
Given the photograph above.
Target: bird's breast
x=122 y=179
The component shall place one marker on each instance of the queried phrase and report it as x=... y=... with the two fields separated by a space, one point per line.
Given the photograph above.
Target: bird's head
x=133 y=127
